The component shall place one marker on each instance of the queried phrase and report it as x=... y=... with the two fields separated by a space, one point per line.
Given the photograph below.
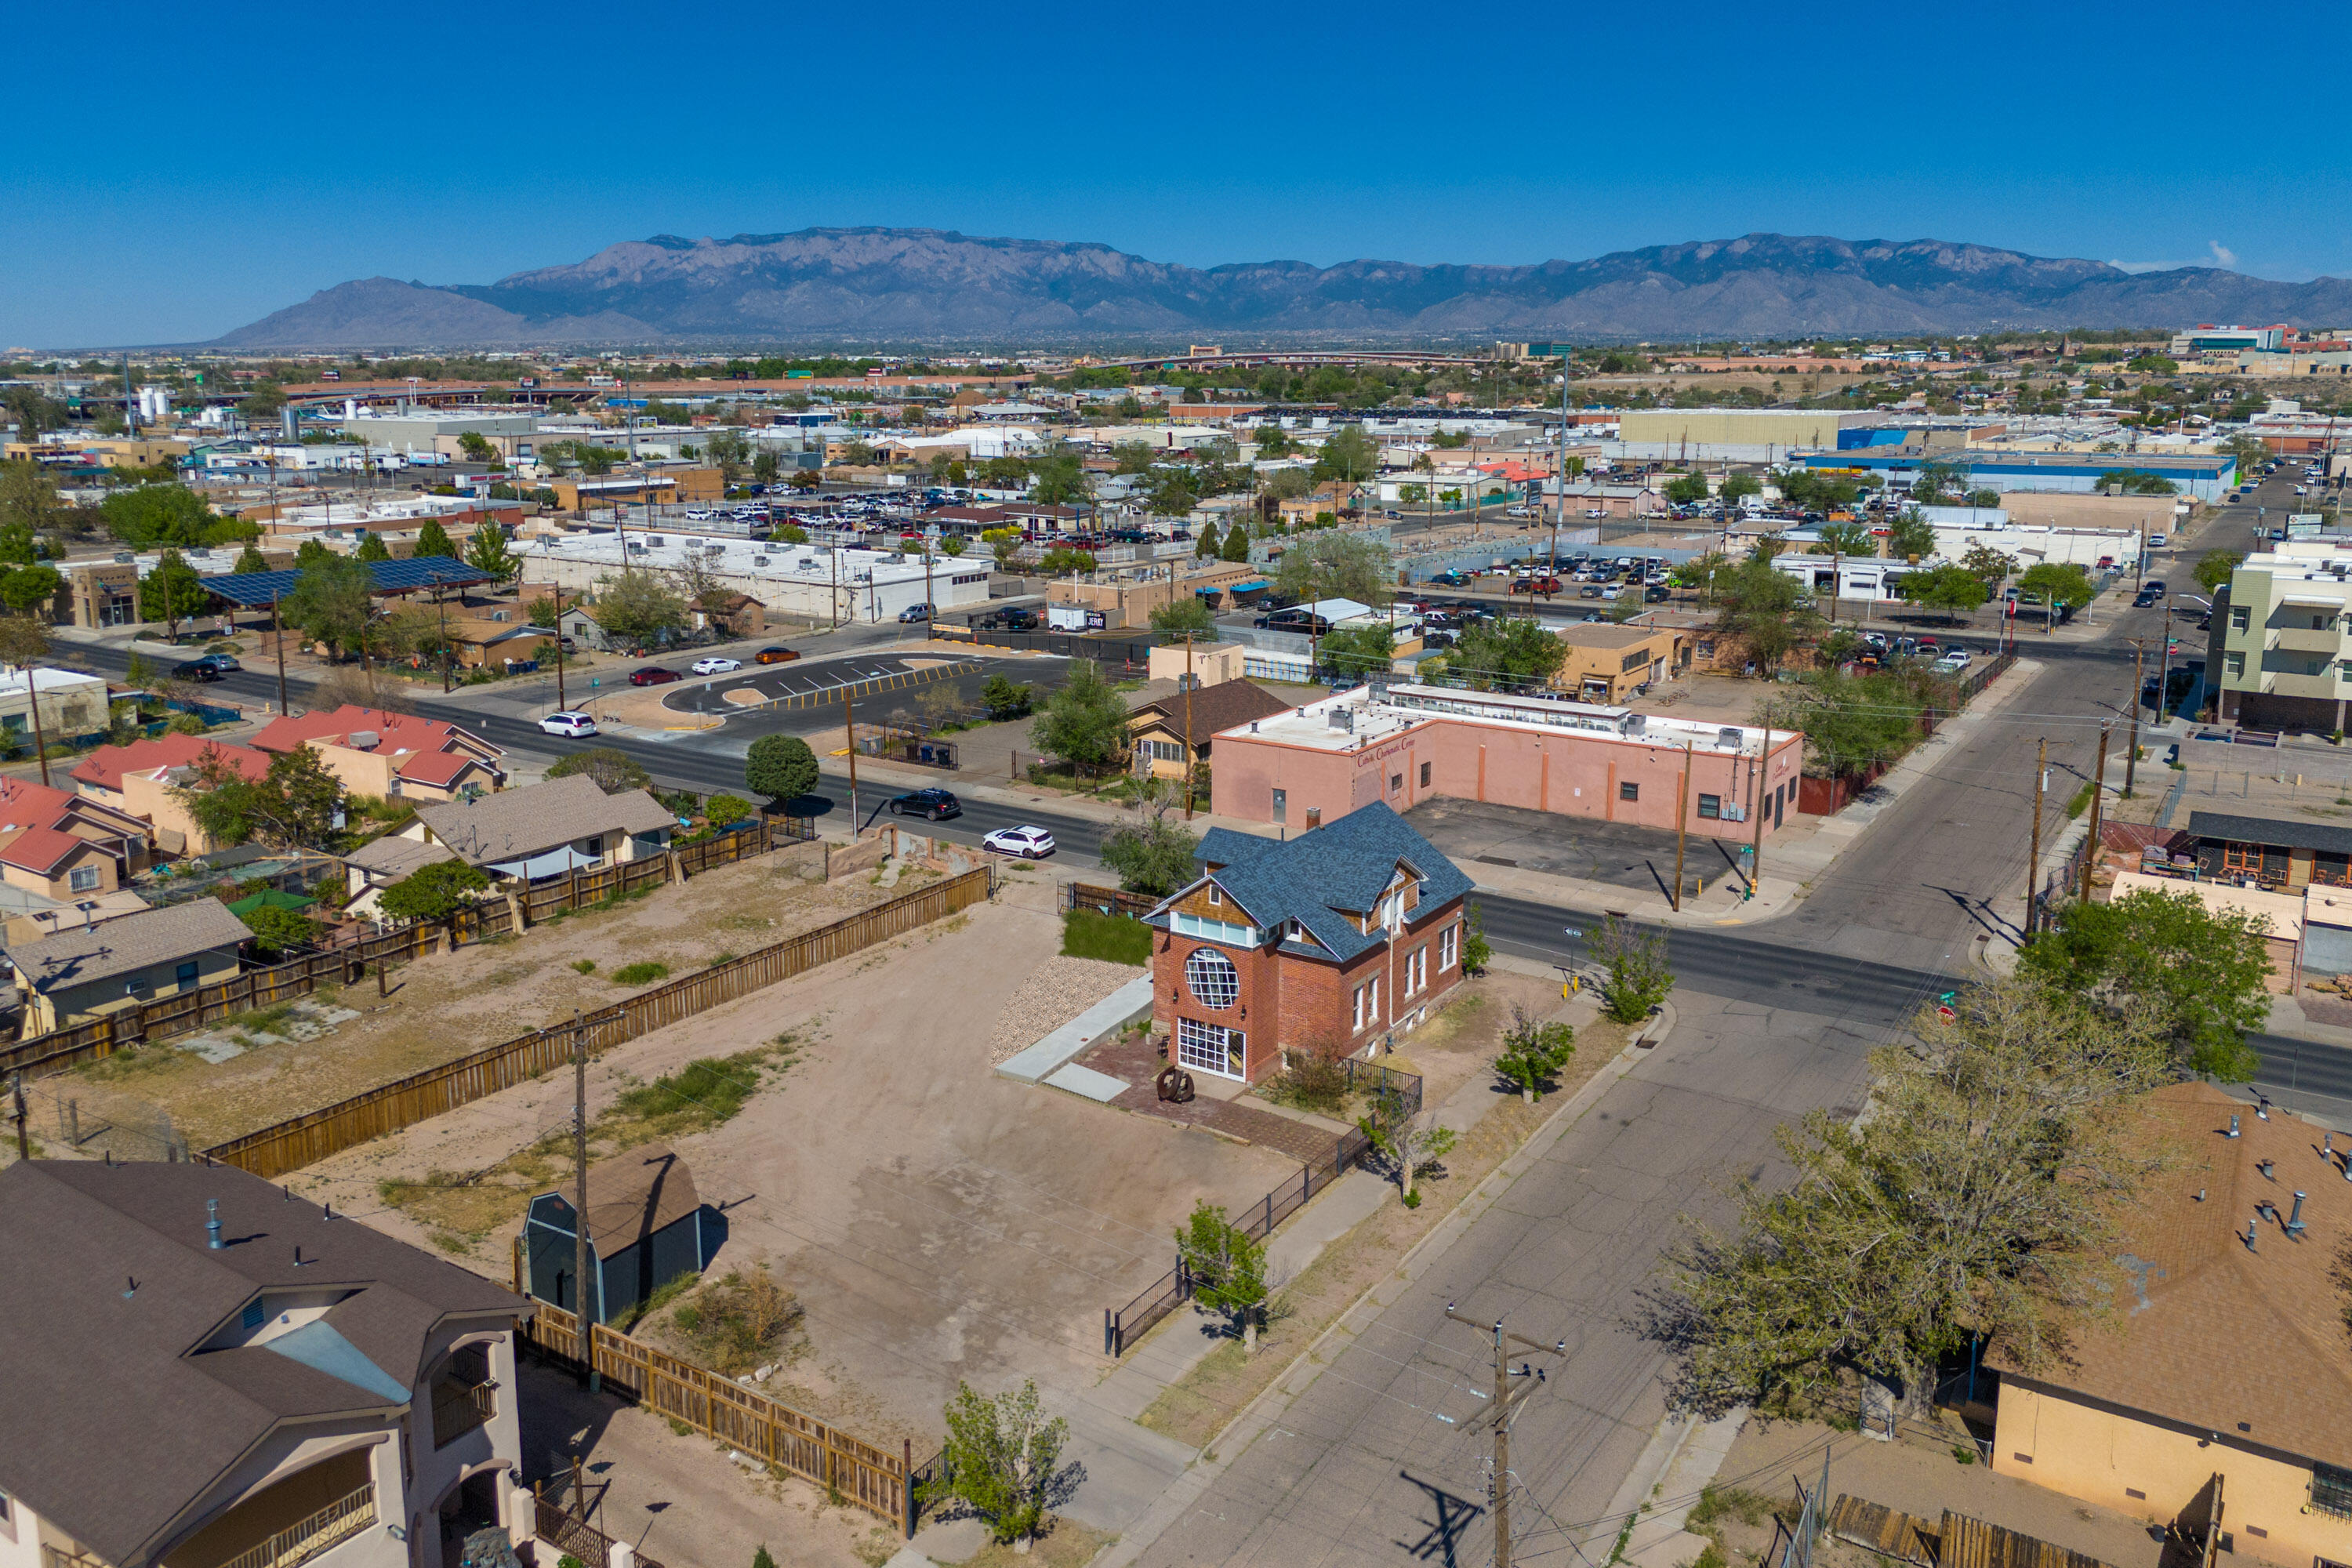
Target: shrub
x=1116 y=938
x=1309 y=1082
x=643 y=972
x=583 y=965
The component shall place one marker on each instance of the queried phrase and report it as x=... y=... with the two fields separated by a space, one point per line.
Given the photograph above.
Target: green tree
x=1477 y=952
x=999 y=1461
x=276 y=930
x=1949 y=588
x=31 y=590
x=1205 y=548
x=2193 y=974
x=486 y=552
x=1085 y=722
x=726 y=810
x=293 y=806
x=476 y=447
x=434 y=540
x=1155 y=857
x=28 y=499
x=332 y=602
x=613 y=769
x=1412 y=1143
x=767 y=466
x=150 y=516
x=2215 y=567
x=433 y=895
x=171 y=594
x=1987 y=566
x=1738 y=487
x=1227 y=1269
x=1516 y=653
x=372 y=549
x=1064 y=561
x=1057 y=477
x=1687 y=489
x=1766 y=609
x=1004 y=698
x=1236 y=547
x=2057 y=582
x=781 y=767
x=639 y=607
x=1338 y=565
x=1637 y=977
x=1909 y=535
x=250 y=560
x=1357 y=651
x=731 y=452
x=1845 y=539
x=1533 y=1052
x=1348 y=455
x=1978 y=1200
x=1178 y=616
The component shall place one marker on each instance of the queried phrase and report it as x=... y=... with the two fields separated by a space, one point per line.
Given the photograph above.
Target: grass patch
x=739 y=1322
x=2080 y=803
x=131 y=1061
x=640 y=974
x=1067 y=1544
x=261 y=1021
x=704 y=1094
x=1716 y=1504
x=1115 y=939
x=583 y=966
x=663 y=1294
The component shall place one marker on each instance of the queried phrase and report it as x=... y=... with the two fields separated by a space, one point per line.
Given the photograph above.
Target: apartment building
x=2280 y=648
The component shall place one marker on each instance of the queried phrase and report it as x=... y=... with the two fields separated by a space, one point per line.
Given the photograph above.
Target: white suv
x=575 y=725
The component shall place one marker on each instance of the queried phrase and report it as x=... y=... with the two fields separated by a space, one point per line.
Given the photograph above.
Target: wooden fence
x=881 y=1482
x=387 y=1108
x=344 y=964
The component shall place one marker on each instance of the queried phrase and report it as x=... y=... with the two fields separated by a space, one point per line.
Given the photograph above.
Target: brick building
x=1329 y=942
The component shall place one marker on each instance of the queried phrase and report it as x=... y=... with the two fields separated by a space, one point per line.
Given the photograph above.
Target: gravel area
x=1056 y=991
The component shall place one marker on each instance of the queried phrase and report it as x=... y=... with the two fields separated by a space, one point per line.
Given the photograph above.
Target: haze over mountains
x=901 y=285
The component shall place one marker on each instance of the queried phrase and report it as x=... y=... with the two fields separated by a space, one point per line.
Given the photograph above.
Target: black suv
x=934 y=803
x=198 y=670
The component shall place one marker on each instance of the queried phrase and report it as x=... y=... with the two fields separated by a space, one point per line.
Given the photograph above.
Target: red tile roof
x=104 y=768
x=436 y=767
x=394 y=731
x=38 y=849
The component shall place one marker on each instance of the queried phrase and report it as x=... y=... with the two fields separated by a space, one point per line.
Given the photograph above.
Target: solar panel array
x=254 y=589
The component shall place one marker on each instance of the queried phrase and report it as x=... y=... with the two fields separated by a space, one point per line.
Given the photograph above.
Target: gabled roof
x=109 y=1290
x=39 y=849
x=70 y=958
x=631 y=1196
x=516 y=824
x=1227 y=705
x=1320 y=877
x=2207 y=1332
x=24 y=803
x=104 y=768
x=436 y=767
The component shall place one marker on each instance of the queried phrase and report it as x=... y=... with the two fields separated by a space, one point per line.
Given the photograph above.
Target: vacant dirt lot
x=443 y=1007
x=937 y=1222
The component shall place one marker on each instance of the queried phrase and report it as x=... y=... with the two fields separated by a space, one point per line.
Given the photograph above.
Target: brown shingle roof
x=517 y=822
x=632 y=1195
x=134 y=941
x=2206 y=1332
x=1225 y=706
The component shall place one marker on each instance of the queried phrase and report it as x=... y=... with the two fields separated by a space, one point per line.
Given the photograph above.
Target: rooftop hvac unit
x=714 y=550
x=363 y=740
x=759 y=561
x=1635 y=723
x=1343 y=718
x=656 y=539
x=1730 y=735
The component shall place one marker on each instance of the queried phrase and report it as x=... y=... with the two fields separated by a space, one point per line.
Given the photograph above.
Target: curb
x=1277 y=1394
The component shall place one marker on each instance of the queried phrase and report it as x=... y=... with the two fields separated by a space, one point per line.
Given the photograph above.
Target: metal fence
x=1125 y=1326
x=387 y=1108
x=575 y=1537
x=347 y=963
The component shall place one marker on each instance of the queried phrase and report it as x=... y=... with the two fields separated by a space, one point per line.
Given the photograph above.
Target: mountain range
x=837 y=286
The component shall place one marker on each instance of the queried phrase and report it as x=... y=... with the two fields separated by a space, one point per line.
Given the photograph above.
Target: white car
x=1029 y=843
x=574 y=725
x=716 y=666
x=1954 y=658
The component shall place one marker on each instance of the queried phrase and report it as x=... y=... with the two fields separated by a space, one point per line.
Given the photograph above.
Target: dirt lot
x=937 y=1222
x=441 y=1007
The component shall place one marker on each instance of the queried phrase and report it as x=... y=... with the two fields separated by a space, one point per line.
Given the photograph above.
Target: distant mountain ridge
x=918 y=284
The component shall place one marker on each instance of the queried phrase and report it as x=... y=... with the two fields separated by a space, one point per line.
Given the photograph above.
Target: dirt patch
x=442 y=1007
x=1199 y=1405
x=1056 y=992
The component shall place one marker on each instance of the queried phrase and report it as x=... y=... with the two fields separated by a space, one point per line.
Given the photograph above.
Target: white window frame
x=1211 y=1048
x=82 y=879
x=1359 y=1008
x=1367 y=1004
x=1449 y=942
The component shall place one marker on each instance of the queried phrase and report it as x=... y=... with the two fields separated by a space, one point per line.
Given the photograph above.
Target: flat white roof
x=736 y=554
x=1349 y=720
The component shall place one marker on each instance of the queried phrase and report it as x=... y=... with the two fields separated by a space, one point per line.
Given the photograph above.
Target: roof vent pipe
x=2265 y=1167
x=2294 y=1220
x=2249 y=1233
x=2262 y=1109
x=212 y=1225
x=2327 y=1146
x=2234 y=1124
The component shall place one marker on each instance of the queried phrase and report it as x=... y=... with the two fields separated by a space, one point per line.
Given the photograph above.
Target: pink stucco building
x=1315 y=764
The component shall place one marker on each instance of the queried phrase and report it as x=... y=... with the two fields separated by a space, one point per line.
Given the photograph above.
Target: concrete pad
x=1112 y=1013
x=947 y=1541
x=1085 y=1080
x=1128 y=1467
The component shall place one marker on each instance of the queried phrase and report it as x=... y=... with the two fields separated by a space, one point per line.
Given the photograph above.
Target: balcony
x=2326 y=639
x=307 y=1538
x=458 y=1408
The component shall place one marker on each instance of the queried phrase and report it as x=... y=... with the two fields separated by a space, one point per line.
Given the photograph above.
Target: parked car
x=653 y=675
x=933 y=803
x=196 y=669
x=775 y=656
x=716 y=666
x=915 y=613
x=1029 y=843
x=224 y=662
x=1657 y=594
x=1452 y=579
x=1535 y=586
x=574 y=725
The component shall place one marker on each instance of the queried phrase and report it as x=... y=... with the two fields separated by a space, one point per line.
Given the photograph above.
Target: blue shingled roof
x=1340 y=867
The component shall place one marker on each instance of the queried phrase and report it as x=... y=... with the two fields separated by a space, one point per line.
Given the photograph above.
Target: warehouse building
x=1732 y=435
x=2205 y=477
x=803 y=582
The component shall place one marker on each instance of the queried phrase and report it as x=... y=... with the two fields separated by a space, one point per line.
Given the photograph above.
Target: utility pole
x=1682 y=805
x=849 y=732
x=1505 y=1409
x=562 y=706
x=16 y=1094
x=443 y=605
x=2033 y=865
x=2163 y=664
x=2131 y=757
x=581 y=1257
x=1756 y=850
x=2098 y=793
x=1191 y=749
x=277 y=638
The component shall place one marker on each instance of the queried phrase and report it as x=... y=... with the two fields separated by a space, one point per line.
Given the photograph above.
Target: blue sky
x=177 y=172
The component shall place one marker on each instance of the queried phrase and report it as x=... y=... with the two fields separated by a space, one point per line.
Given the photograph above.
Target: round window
x=1212 y=978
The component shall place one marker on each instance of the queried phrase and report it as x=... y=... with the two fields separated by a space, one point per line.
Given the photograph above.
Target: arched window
x=1212 y=978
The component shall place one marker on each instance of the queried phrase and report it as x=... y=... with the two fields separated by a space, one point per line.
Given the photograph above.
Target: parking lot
x=1619 y=854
